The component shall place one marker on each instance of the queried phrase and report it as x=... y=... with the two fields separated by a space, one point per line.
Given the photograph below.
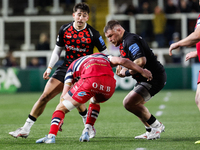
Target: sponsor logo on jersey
x=101 y=41
x=81 y=94
x=75 y=48
x=134 y=49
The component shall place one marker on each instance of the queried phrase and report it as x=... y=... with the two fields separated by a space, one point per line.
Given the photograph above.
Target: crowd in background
x=159 y=32
x=159 y=28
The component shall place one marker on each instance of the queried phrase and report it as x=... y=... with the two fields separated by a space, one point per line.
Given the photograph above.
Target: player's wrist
x=49 y=70
x=127 y=73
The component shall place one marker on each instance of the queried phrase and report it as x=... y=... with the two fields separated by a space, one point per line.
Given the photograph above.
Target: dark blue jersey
x=78 y=43
x=133 y=47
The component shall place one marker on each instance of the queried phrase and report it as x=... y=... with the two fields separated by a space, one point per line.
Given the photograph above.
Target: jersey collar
x=81 y=29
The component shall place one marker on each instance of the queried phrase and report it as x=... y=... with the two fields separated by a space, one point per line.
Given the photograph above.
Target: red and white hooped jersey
x=97 y=64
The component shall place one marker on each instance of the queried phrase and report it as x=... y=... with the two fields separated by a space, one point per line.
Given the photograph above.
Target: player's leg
x=99 y=96
x=89 y=131
x=93 y=113
x=52 y=88
x=67 y=103
x=197 y=97
x=134 y=103
x=83 y=112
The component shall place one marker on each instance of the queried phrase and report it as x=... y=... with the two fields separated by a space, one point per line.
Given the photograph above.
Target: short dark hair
x=110 y=25
x=83 y=6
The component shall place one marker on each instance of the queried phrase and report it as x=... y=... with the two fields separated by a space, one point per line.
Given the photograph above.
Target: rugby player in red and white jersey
x=93 y=73
x=190 y=40
x=78 y=39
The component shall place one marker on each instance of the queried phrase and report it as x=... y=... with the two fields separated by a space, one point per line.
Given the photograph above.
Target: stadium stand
x=22 y=21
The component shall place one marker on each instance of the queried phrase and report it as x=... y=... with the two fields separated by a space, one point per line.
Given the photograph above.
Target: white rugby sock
x=28 y=124
x=156 y=124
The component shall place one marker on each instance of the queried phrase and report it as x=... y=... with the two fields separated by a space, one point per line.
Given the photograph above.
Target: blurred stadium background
x=23 y=21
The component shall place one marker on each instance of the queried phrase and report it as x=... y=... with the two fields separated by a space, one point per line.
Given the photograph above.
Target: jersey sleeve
x=99 y=42
x=69 y=77
x=59 y=40
x=198 y=21
x=135 y=50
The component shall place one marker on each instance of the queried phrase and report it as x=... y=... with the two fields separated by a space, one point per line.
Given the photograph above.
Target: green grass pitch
x=116 y=127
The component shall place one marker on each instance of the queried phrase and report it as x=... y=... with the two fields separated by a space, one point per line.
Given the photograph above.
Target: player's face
x=80 y=18
x=113 y=37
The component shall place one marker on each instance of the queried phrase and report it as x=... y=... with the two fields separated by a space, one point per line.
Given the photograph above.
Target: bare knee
x=136 y=108
x=126 y=104
x=130 y=105
x=45 y=97
x=197 y=99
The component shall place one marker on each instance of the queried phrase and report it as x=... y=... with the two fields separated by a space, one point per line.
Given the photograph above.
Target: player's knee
x=68 y=104
x=131 y=106
x=128 y=104
x=197 y=99
x=45 y=97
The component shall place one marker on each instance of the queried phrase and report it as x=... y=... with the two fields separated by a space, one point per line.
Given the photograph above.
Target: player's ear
x=87 y=17
x=73 y=15
x=119 y=29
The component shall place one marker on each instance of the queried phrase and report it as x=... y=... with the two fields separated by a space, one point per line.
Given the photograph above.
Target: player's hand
x=147 y=74
x=120 y=71
x=191 y=55
x=172 y=47
x=46 y=75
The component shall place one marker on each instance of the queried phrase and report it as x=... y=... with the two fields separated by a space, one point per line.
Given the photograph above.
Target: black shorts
x=152 y=87
x=158 y=83
x=60 y=73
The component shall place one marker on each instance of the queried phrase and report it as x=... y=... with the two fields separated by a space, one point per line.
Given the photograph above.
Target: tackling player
x=133 y=47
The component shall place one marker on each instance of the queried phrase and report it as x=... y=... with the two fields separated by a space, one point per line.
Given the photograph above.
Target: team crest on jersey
x=81 y=94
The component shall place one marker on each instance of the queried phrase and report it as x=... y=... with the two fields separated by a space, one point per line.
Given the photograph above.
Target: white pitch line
x=162 y=107
x=159 y=113
x=166 y=99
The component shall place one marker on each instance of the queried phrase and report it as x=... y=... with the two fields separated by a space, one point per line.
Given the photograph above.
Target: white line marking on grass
x=162 y=107
x=166 y=99
x=159 y=113
x=169 y=94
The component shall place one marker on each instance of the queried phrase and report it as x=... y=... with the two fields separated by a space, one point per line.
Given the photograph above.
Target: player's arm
x=66 y=88
x=190 y=40
x=68 y=81
x=105 y=52
x=122 y=72
x=140 y=62
x=54 y=58
x=131 y=65
x=190 y=55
